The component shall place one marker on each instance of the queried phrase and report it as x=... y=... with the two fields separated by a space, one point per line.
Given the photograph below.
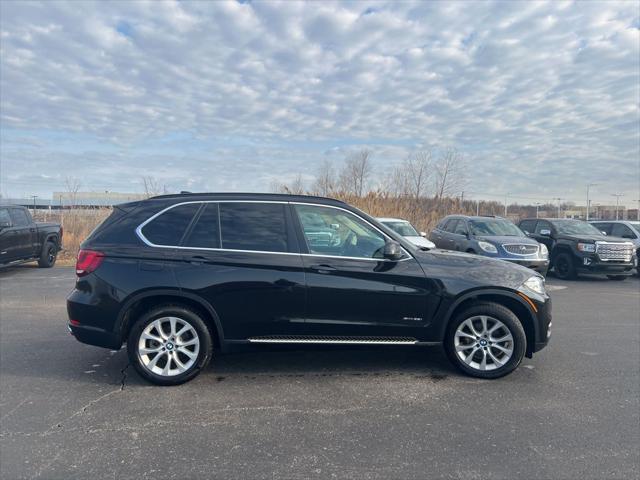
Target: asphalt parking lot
x=73 y=411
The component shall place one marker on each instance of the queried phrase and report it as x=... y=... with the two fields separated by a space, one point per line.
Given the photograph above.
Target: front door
x=351 y=289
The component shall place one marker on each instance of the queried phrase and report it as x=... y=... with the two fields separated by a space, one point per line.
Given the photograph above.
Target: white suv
x=408 y=231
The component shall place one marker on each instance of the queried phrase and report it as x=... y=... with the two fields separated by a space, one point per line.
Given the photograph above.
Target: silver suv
x=622 y=228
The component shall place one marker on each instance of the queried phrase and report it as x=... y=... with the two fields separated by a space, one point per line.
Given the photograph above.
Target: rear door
x=243 y=258
x=7 y=246
x=352 y=289
x=459 y=235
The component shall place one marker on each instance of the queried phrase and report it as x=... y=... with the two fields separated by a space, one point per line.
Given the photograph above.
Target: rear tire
x=486 y=340
x=48 y=255
x=169 y=345
x=617 y=277
x=565 y=267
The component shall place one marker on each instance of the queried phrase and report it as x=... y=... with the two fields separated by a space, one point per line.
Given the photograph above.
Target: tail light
x=88 y=261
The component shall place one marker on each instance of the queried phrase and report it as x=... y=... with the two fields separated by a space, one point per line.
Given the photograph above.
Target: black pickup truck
x=578 y=247
x=23 y=240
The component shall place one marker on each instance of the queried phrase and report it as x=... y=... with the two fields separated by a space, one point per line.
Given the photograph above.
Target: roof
x=277 y=197
x=476 y=217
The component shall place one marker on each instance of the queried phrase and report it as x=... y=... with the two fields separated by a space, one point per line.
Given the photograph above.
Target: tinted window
x=253 y=226
x=621 y=230
x=19 y=217
x=575 y=227
x=339 y=233
x=4 y=217
x=206 y=232
x=450 y=226
x=461 y=228
x=528 y=225
x=542 y=225
x=169 y=227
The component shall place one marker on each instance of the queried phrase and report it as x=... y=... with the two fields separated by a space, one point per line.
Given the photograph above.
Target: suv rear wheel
x=169 y=345
x=486 y=340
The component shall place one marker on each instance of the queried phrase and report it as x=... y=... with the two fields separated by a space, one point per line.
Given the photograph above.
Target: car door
x=243 y=258
x=540 y=233
x=22 y=233
x=7 y=246
x=448 y=239
x=459 y=236
x=351 y=289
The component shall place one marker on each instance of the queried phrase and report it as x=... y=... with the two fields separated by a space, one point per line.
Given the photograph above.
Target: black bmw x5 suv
x=178 y=277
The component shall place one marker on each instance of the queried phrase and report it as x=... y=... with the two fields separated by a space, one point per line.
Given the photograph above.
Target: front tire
x=169 y=345
x=565 y=267
x=486 y=341
x=48 y=255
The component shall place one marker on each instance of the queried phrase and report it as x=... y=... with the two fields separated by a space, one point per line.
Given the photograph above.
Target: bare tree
x=356 y=172
x=152 y=187
x=450 y=174
x=325 y=182
x=296 y=187
x=419 y=171
x=72 y=186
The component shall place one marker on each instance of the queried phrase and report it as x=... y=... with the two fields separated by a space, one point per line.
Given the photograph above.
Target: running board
x=334 y=340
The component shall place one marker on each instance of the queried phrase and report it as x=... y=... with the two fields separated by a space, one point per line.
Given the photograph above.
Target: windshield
x=575 y=227
x=402 y=228
x=494 y=228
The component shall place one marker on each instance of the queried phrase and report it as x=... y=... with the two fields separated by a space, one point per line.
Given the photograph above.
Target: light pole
x=558 y=199
x=34 y=203
x=588 y=186
x=617 y=195
x=506 y=195
x=538 y=209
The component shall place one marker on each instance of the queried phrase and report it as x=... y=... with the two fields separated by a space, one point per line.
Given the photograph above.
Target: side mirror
x=4 y=225
x=392 y=250
x=545 y=232
x=603 y=232
x=423 y=234
x=528 y=234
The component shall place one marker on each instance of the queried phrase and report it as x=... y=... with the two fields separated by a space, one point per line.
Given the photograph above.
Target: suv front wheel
x=486 y=340
x=169 y=345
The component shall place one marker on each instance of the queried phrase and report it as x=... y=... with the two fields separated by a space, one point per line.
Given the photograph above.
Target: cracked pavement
x=69 y=410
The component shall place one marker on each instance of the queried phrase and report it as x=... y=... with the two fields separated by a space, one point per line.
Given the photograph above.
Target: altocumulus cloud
x=540 y=97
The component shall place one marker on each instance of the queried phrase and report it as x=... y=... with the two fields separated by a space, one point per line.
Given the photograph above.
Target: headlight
x=535 y=284
x=544 y=252
x=488 y=247
x=587 y=247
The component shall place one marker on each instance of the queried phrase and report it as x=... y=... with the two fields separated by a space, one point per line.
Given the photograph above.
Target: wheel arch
x=506 y=298
x=143 y=301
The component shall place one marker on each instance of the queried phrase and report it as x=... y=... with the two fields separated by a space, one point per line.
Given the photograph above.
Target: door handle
x=323 y=268
x=197 y=260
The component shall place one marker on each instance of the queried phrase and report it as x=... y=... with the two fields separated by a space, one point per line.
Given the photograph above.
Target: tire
x=193 y=357
x=48 y=255
x=617 y=277
x=508 y=327
x=565 y=267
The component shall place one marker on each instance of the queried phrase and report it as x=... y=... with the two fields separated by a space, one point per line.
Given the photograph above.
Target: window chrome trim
x=146 y=241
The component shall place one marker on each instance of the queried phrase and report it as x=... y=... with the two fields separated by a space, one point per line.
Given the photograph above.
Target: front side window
x=168 y=228
x=335 y=232
x=528 y=225
x=254 y=226
x=19 y=217
x=542 y=225
x=461 y=228
x=450 y=226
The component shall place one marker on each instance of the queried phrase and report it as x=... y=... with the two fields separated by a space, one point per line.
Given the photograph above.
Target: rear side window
x=206 y=232
x=5 y=219
x=253 y=226
x=450 y=226
x=461 y=228
x=528 y=225
x=168 y=228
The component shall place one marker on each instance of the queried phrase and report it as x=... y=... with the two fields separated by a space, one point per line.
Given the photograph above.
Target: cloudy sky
x=541 y=98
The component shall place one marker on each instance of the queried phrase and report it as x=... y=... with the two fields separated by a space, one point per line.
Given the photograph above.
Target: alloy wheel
x=483 y=343
x=168 y=346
